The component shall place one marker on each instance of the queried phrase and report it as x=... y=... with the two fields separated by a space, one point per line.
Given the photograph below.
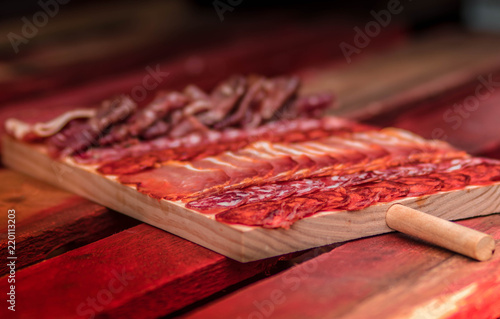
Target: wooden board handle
x=440 y=232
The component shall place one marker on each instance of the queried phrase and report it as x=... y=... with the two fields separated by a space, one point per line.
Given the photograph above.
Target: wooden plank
x=142 y=272
x=50 y=220
x=389 y=276
x=395 y=78
x=242 y=243
x=466 y=117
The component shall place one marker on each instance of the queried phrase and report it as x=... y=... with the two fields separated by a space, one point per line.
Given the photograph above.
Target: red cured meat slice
x=317 y=134
x=481 y=174
x=283 y=166
x=354 y=147
x=217 y=203
x=360 y=197
x=262 y=168
x=278 y=131
x=396 y=146
x=304 y=164
x=257 y=214
x=175 y=181
x=330 y=123
x=129 y=165
x=335 y=199
x=295 y=208
x=388 y=191
x=177 y=154
x=294 y=136
x=404 y=171
x=337 y=151
x=235 y=173
x=421 y=185
x=320 y=159
x=269 y=192
x=272 y=214
x=254 y=194
x=305 y=186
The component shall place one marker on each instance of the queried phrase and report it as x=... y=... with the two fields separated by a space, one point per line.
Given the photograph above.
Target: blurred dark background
x=50 y=45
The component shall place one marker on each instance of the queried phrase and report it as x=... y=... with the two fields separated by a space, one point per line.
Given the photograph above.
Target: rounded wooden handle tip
x=443 y=233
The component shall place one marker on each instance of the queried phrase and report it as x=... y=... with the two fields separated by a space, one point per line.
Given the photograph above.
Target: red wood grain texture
x=49 y=220
x=269 y=48
x=466 y=116
x=142 y=272
x=387 y=276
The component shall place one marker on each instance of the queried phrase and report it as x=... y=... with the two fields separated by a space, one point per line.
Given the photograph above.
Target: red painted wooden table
x=77 y=259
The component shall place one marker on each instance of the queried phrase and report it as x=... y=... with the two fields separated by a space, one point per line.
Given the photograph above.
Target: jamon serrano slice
x=262 y=168
x=282 y=168
x=321 y=159
x=304 y=164
x=283 y=165
x=236 y=174
x=175 y=180
x=401 y=144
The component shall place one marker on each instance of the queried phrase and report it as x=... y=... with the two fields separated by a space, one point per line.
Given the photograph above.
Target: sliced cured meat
x=253 y=96
x=421 y=185
x=83 y=134
x=278 y=92
x=409 y=138
x=322 y=161
x=360 y=197
x=481 y=174
x=164 y=103
x=344 y=154
x=451 y=181
x=305 y=186
x=334 y=199
x=234 y=198
x=217 y=203
x=304 y=164
x=129 y=165
x=272 y=214
x=224 y=99
x=175 y=180
x=356 y=148
x=407 y=170
x=235 y=173
x=233 y=139
x=283 y=166
x=263 y=169
x=33 y=133
x=269 y=192
x=295 y=208
x=392 y=143
x=177 y=154
x=159 y=128
x=254 y=194
x=256 y=214
x=388 y=191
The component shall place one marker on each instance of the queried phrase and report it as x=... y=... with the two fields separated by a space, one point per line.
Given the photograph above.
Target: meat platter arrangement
x=252 y=169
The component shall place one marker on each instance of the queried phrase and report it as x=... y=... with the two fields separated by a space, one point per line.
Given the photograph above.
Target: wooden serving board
x=242 y=243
